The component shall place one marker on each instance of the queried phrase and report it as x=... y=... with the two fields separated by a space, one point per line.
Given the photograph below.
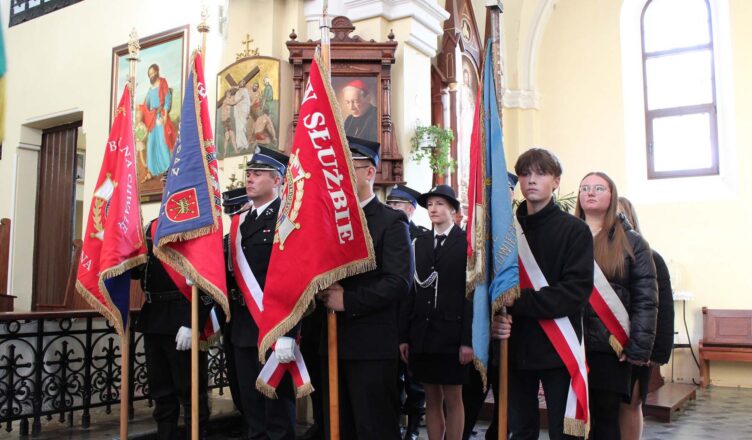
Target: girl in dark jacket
x=626 y=261
x=436 y=320
x=630 y=414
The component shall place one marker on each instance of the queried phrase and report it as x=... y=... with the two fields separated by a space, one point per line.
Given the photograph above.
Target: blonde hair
x=627 y=208
x=610 y=244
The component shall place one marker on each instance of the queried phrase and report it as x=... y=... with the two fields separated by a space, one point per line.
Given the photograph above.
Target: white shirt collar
x=446 y=233
x=262 y=208
x=367 y=201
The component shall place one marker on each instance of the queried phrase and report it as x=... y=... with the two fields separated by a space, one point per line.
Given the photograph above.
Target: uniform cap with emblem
x=234 y=199
x=444 y=191
x=268 y=159
x=512 y=179
x=363 y=149
x=402 y=193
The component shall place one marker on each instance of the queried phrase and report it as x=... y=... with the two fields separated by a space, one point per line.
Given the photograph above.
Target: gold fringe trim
x=303 y=391
x=318 y=283
x=575 y=427
x=615 y=344
x=265 y=389
x=498 y=304
x=483 y=372
x=101 y=308
x=206 y=344
x=185 y=236
x=182 y=266
x=325 y=280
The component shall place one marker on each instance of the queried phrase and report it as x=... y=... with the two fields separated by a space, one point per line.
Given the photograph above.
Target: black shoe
x=313 y=433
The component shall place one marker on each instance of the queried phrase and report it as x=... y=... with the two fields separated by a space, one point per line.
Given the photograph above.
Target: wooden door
x=53 y=243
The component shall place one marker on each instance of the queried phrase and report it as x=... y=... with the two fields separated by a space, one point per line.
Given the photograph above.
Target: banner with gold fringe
x=188 y=236
x=114 y=239
x=321 y=234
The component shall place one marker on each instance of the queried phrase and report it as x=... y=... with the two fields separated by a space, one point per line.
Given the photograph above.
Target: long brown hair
x=610 y=244
x=627 y=208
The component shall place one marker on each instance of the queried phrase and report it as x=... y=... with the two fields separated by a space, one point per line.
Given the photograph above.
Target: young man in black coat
x=367 y=318
x=264 y=418
x=165 y=321
x=563 y=248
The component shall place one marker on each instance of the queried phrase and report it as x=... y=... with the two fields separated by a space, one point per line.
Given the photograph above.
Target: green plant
x=434 y=143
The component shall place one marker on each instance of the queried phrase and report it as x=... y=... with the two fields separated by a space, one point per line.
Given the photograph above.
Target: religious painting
x=359 y=102
x=158 y=100
x=247 y=106
x=468 y=94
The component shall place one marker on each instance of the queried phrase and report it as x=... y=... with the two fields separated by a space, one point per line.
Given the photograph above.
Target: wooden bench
x=727 y=336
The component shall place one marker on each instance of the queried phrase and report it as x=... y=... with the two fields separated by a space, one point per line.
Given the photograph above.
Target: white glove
x=183 y=339
x=285 y=349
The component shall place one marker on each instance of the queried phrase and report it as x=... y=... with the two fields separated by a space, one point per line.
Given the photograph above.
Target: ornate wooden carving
x=353 y=56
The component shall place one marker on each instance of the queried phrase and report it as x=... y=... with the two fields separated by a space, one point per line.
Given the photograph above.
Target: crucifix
x=247 y=52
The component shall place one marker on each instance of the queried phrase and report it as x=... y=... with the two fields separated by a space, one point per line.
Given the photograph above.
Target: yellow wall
x=582 y=119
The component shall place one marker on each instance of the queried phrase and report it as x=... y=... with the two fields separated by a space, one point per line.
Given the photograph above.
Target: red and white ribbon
x=564 y=339
x=610 y=310
x=273 y=372
x=247 y=283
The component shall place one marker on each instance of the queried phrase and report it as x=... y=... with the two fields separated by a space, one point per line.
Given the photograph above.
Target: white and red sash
x=273 y=371
x=610 y=310
x=563 y=337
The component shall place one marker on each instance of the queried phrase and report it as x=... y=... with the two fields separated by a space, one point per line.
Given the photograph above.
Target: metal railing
x=64 y=363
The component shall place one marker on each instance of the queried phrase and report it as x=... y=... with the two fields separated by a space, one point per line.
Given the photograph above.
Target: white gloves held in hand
x=285 y=349
x=183 y=339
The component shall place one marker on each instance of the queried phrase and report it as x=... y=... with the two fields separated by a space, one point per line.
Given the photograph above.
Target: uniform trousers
x=313 y=364
x=169 y=376
x=272 y=419
x=524 y=419
x=415 y=397
x=368 y=399
x=473 y=398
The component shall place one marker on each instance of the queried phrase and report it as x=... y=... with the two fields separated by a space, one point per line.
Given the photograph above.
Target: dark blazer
x=439 y=321
x=164 y=317
x=368 y=328
x=563 y=247
x=257 y=237
x=416 y=231
x=664 y=330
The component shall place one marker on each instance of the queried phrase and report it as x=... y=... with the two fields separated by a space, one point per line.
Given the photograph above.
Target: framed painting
x=158 y=99
x=358 y=100
x=247 y=106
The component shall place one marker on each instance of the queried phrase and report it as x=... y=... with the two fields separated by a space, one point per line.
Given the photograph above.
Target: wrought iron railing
x=65 y=363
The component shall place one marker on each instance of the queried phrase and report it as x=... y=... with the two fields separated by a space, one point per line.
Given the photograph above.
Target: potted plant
x=434 y=143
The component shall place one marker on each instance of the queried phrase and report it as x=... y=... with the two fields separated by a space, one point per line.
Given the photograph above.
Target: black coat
x=416 y=231
x=664 y=329
x=164 y=317
x=563 y=247
x=368 y=328
x=439 y=320
x=638 y=292
x=257 y=237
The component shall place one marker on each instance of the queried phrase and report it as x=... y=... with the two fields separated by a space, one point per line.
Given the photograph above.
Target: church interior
x=575 y=77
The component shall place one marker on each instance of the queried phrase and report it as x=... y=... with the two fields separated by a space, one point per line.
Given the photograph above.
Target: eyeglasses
x=599 y=189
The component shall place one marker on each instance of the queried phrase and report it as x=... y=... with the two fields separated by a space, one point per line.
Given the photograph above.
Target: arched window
x=679 y=87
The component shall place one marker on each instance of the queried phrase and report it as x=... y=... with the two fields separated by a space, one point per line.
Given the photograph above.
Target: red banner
x=114 y=239
x=321 y=235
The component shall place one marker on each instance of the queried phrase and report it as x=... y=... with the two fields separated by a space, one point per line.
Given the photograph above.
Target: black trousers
x=368 y=399
x=524 y=419
x=414 y=403
x=169 y=377
x=604 y=414
x=265 y=418
x=313 y=364
x=473 y=398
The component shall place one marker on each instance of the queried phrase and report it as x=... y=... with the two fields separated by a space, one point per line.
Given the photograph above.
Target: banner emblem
x=182 y=206
x=292 y=199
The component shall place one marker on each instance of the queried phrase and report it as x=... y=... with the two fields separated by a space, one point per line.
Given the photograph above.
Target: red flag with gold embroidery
x=321 y=235
x=114 y=239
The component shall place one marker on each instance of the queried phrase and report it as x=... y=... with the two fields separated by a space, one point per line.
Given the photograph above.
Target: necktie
x=252 y=216
x=439 y=241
